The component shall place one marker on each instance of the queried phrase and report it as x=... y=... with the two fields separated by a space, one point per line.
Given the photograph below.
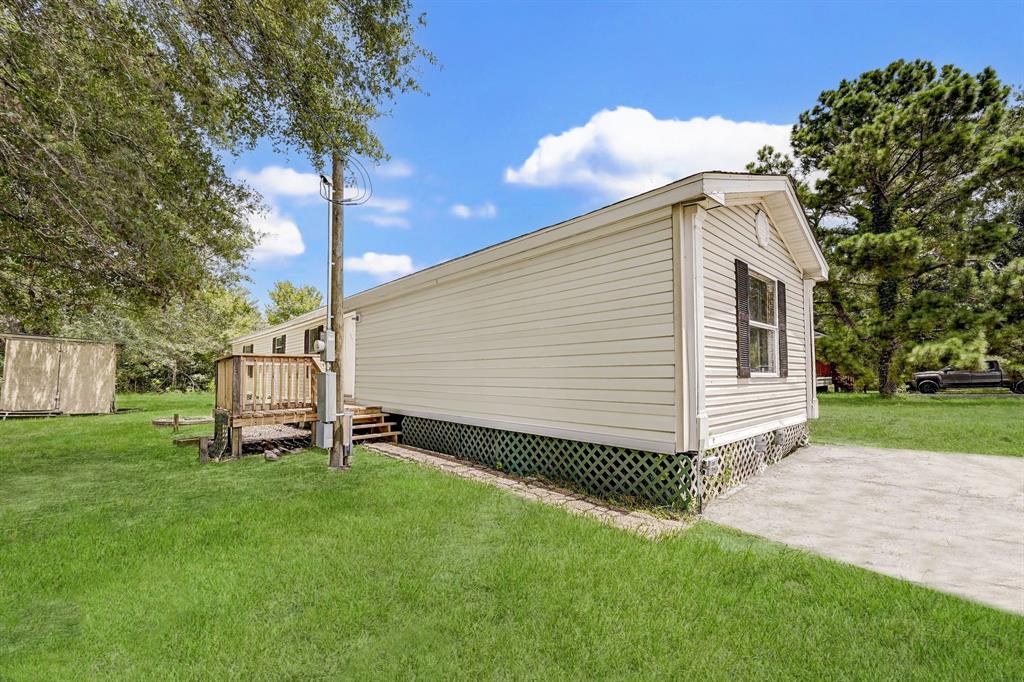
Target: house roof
x=711 y=188
x=777 y=192
x=310 y=317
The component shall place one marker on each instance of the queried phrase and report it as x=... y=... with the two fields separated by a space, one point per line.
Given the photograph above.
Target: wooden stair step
x=363 y=409
x=363 y=427
x=368 y=417
x=368 y=436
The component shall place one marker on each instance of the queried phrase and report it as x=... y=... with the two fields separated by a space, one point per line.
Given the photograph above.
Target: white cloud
x=388 y=204
x=382 y=265
x=385 y=211
x=395 y=168
x=626 y=151
x=278 y=181
x=279 y=236
x=386 y=220
x=484 y=210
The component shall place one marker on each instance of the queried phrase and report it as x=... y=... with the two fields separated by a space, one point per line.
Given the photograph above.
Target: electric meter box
x=324 y=433
x=327 y=354
x=326 y=397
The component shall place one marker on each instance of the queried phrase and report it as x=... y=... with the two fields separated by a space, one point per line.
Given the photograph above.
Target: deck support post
x=236 y=442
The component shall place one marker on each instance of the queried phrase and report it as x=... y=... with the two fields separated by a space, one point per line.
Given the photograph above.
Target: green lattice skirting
x=739 y=461
x=602 y=470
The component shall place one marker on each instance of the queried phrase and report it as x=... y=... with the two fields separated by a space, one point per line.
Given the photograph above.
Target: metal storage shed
x=49 y=375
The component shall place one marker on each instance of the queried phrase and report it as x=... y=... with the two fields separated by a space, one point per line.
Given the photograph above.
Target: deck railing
x=266 y=386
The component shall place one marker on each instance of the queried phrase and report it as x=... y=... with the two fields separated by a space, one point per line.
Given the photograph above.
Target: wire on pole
x=357 y=179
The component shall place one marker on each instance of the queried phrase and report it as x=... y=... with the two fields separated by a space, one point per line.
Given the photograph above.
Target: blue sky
x=542 y=111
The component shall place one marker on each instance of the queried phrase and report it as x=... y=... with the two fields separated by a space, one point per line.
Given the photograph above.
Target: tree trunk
x=887 y=291
x=886 y=307
x=886 y=382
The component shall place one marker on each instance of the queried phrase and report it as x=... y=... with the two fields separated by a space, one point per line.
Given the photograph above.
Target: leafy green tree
x=173 y=347
x=105 y=186
x=310 y=74
x=112 y=115
x=914 y=167
x=1004 y=277
x=288 y=301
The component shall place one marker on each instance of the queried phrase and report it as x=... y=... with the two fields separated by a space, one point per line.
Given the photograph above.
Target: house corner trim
x=812 y=384
x=688 y=227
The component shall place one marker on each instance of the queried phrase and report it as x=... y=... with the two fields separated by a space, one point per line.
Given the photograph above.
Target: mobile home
x=660 y=346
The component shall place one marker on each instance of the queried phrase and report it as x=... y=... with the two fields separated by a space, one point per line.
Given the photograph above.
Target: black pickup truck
x=993 y=376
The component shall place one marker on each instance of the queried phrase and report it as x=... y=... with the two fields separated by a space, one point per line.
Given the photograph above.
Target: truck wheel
x=928 y=387
x=1019 y=388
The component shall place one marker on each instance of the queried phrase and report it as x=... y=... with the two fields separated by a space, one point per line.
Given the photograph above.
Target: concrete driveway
x=953 y=522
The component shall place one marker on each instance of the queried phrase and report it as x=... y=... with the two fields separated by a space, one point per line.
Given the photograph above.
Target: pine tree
x=915 y=167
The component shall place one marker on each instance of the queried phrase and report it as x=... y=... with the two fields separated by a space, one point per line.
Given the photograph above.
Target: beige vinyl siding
x=572 y=336
x=734 y=404
x=295 y=341
x=294 y=338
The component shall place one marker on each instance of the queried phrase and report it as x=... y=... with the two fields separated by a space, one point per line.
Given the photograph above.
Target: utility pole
x=339 y=454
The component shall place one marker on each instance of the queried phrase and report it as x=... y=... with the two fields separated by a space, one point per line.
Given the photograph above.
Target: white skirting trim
x=665 y=448
x=751 y=431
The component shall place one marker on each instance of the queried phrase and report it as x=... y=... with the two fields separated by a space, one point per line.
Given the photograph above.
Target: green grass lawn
x=121 y=557
x=946 y=423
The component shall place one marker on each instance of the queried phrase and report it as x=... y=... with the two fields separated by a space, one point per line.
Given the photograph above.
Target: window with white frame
x=764 y=326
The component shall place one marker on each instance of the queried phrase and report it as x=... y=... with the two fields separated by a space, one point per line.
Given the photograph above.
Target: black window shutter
x=305 y=343
x=783 y=341
x=742 y=319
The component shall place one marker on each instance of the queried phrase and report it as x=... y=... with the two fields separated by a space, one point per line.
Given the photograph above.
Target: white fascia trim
x=749 y=185
x=810 y=350
x=709 y=186
x=311 y=316
x=687 y=189
x=794 y=204
x=751 y=431
x=661 y=447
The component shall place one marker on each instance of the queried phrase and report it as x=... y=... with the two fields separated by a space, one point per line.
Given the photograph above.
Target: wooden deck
x=261 y=390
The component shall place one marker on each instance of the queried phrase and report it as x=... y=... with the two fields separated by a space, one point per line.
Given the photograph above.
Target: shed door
x=31 y=375
x=87 y=374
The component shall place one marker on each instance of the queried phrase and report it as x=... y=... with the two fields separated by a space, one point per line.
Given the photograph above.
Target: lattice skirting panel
x=603 y=470
x=729 y=465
